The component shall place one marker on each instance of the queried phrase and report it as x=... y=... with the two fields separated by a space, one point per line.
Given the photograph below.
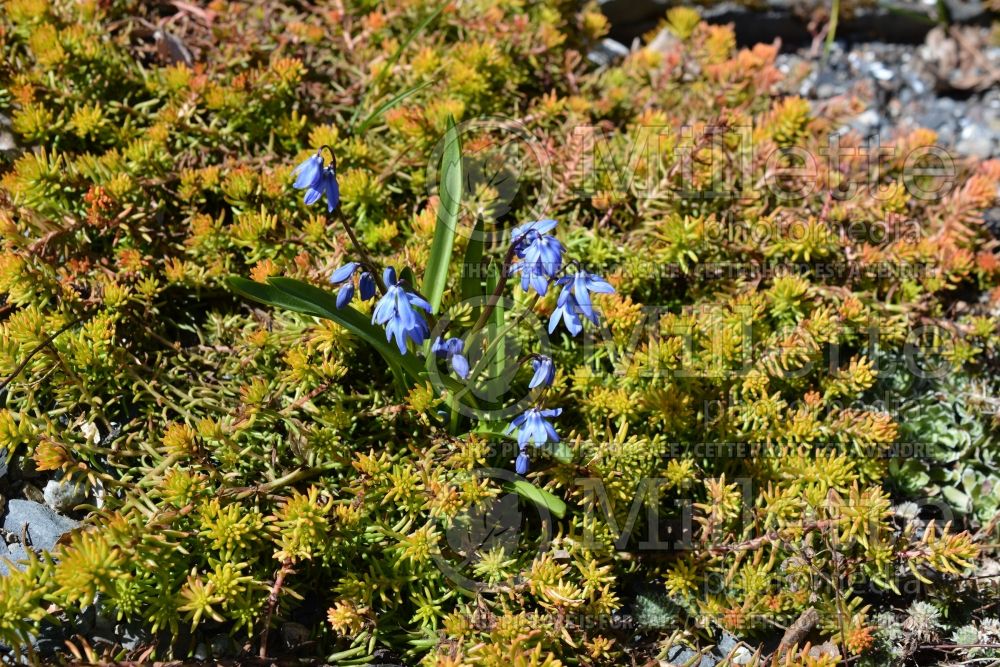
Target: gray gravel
x=906 y=88
x=44 y=527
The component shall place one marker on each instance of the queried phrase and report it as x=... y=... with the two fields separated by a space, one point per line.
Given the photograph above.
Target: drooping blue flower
x=541 y=254
x=566 y=310
x=331 y=188
x=574 y=300
x=460 y=365
x=545 y=372
x=521 y=464
x=366 y=285
x=396 y=311
x=452 y=349
x=344 y=273
x=345 y=294
x=314 y=191
x=308 y=172
x=519 y=236
x=533 y=426
x=583 y=285
x=317 y=181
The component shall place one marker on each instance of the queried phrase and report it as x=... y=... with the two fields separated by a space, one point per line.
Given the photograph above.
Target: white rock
x=64 y=495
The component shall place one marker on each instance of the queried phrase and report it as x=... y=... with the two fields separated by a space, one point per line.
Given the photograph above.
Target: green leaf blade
x=540 y=497
x=473 y=286
x=450 y=193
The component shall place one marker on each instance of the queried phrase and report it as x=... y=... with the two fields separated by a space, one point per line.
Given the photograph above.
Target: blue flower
x=452 y=349
x=566 y=310
x=532 y=426
x=519 y=236
x=345 y=294
x=331 y=188
x=317 y=181
x=542 y=255
x=396 y=310
x=521 y=464
x=344 y=273
x=583 y=285
x=309 y=172
x=545 y=372
x=366 y=285
x=574 y=300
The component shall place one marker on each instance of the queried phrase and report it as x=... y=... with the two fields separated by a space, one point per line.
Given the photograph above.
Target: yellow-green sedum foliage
x=258 y=465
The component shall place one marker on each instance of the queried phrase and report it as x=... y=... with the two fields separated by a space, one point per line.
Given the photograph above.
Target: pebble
x=976 y=140
x=679 y=655
x=15 y=553
x=63 y=495
x=607 y=52
x=7 y=142
x=223 y=646
x=45 y=527
x=294 y=634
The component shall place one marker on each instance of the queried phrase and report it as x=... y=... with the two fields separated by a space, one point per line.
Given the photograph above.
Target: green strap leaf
x=473 y=284
x=450 y=192
x=272 y=296
x=302 y=297
x=352 y=320
x=540 y=497
x=496 y=386
x=326 y=303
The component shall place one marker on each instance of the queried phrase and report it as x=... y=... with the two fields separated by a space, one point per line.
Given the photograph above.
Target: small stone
x=15 y=553
x=679 y=655
x=726 y=644
x=223 y=646
x=91 y=433
x=826 y=649
x=881 y=72
x=131 y=635
x=32 y=493
x=607 y=52
x=44 y=527
x=63 y=495
x=294 y=634
x=742 y=656
x=201 y=651
x=664 y=41
x=992 y=219
x=7 y=142
x=867 y=122
x=975 y=140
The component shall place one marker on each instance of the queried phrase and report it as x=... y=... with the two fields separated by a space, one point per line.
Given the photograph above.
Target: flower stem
x=494 y=298
x=372 y=266
x=478 y=369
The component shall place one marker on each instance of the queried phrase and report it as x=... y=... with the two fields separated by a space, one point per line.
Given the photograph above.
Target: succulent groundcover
x=406 y=333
